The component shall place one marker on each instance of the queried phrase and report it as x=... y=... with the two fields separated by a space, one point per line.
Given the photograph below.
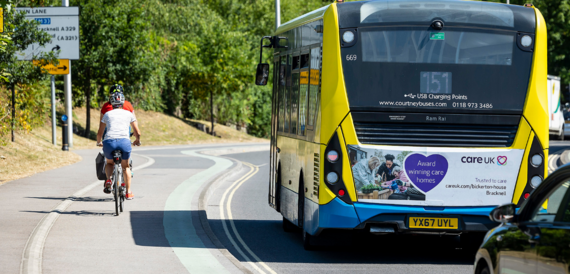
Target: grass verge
x=33 y=152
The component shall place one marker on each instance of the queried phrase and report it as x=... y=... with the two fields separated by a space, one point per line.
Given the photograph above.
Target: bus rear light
x=332 y=156
x=536 y=160
x=332 y=178
x=535 y=181
x=535 y=172
x=333 y=169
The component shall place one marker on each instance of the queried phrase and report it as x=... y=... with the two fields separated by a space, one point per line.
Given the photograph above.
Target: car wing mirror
x=503 y=214
x=262 y=74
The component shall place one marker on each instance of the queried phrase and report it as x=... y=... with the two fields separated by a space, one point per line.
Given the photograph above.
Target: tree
x=113 y=48
x=19 y=33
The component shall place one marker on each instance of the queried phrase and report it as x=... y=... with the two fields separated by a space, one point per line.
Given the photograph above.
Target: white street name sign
x=62 y=23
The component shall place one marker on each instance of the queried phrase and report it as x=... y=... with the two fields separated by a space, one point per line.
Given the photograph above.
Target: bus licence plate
x=434 y=223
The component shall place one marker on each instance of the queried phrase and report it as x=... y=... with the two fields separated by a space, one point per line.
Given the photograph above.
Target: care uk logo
x=500 y=160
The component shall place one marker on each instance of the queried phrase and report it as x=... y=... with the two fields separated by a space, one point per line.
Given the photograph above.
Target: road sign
x=62 y=68
x=62 y=23
x=1 y=20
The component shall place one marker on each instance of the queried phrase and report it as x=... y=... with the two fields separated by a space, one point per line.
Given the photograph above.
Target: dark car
x=535 y=239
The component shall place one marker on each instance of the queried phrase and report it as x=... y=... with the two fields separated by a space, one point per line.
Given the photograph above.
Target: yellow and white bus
x=413 y=116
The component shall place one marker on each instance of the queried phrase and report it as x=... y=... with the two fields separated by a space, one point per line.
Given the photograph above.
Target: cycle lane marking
x=32 y=255
x=235 y=186
x=180 y=231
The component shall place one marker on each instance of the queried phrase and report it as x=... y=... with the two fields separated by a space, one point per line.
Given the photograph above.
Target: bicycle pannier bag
x=100 y=166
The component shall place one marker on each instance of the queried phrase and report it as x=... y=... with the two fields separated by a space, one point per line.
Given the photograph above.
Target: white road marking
x=235 y=186
x=552 y=162
x=228 y=234
x=32 y=255
x=179 y=230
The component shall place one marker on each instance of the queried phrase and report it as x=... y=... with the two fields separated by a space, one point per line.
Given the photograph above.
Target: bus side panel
x=536 y=105
x=289 y=185
x=334 y=101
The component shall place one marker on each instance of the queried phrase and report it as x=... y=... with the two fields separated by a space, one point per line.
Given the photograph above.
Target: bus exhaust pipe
x=381 y=230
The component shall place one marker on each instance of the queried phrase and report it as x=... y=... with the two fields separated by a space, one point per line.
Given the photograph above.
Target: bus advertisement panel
x=435 y=176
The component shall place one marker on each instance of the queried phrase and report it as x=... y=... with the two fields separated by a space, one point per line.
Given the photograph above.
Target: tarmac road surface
x=60 y=221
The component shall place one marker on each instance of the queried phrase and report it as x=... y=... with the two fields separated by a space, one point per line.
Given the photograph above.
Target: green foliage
x=23 y=76
x=369 y=188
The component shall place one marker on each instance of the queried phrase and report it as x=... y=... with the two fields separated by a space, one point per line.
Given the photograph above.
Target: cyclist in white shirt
x=117 y=122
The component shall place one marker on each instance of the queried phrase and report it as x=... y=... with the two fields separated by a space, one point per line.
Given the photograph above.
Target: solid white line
x=226 y=230
x=237 y=184
x=552 y=159
x=230 y=217
x=32 y=255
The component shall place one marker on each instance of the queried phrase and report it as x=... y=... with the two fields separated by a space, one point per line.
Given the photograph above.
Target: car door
x=517 y=251
x=553 y=242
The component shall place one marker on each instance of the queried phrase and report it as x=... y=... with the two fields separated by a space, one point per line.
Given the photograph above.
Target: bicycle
x=118 y=181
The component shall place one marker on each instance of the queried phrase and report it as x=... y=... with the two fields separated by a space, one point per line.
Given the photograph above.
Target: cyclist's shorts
x=122 y=144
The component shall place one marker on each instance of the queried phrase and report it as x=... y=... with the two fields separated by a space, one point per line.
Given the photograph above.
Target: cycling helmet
x=116 y=88
x=117 y=99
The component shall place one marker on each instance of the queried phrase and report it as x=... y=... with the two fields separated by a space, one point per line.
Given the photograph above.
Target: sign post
x=62 y=23
x=53 y=125
x=64 y=140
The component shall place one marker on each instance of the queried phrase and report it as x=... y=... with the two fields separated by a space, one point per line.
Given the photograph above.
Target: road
x=60 y=221
x=556 y=148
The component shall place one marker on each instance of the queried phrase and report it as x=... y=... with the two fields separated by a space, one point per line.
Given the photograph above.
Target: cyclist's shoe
x=108 y=185
x=130 y=196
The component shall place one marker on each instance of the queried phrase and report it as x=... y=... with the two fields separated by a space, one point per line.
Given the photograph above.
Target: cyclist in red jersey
x=108 y=107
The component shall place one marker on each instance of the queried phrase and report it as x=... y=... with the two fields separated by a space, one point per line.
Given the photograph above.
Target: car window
x=556 y=207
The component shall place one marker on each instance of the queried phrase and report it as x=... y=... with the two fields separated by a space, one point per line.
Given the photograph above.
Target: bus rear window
x=444 y=47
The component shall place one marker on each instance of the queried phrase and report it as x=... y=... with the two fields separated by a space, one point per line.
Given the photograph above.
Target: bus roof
x=303 y=19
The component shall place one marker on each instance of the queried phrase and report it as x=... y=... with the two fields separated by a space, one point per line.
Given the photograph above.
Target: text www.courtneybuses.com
x=412 y=104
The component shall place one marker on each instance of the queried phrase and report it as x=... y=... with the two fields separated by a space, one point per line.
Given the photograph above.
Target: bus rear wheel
x=288 y=226
x=307 y=241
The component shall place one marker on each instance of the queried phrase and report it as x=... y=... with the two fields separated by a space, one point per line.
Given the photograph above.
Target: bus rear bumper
x=339 y=215
x=470 y=219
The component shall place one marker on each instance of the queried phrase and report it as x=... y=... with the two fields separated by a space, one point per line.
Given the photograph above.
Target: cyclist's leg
x=125 y=146
x=108 y=147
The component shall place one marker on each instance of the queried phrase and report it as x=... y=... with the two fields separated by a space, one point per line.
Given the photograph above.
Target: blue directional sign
x=64 y=118
x=43 y=21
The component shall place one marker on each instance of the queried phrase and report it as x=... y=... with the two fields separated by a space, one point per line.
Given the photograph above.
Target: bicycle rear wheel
x=116 y=191
x=121 y=195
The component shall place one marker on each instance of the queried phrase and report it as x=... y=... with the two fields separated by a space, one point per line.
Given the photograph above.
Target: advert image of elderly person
x=400 y=183
x=386 y=169
x=363 y=172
